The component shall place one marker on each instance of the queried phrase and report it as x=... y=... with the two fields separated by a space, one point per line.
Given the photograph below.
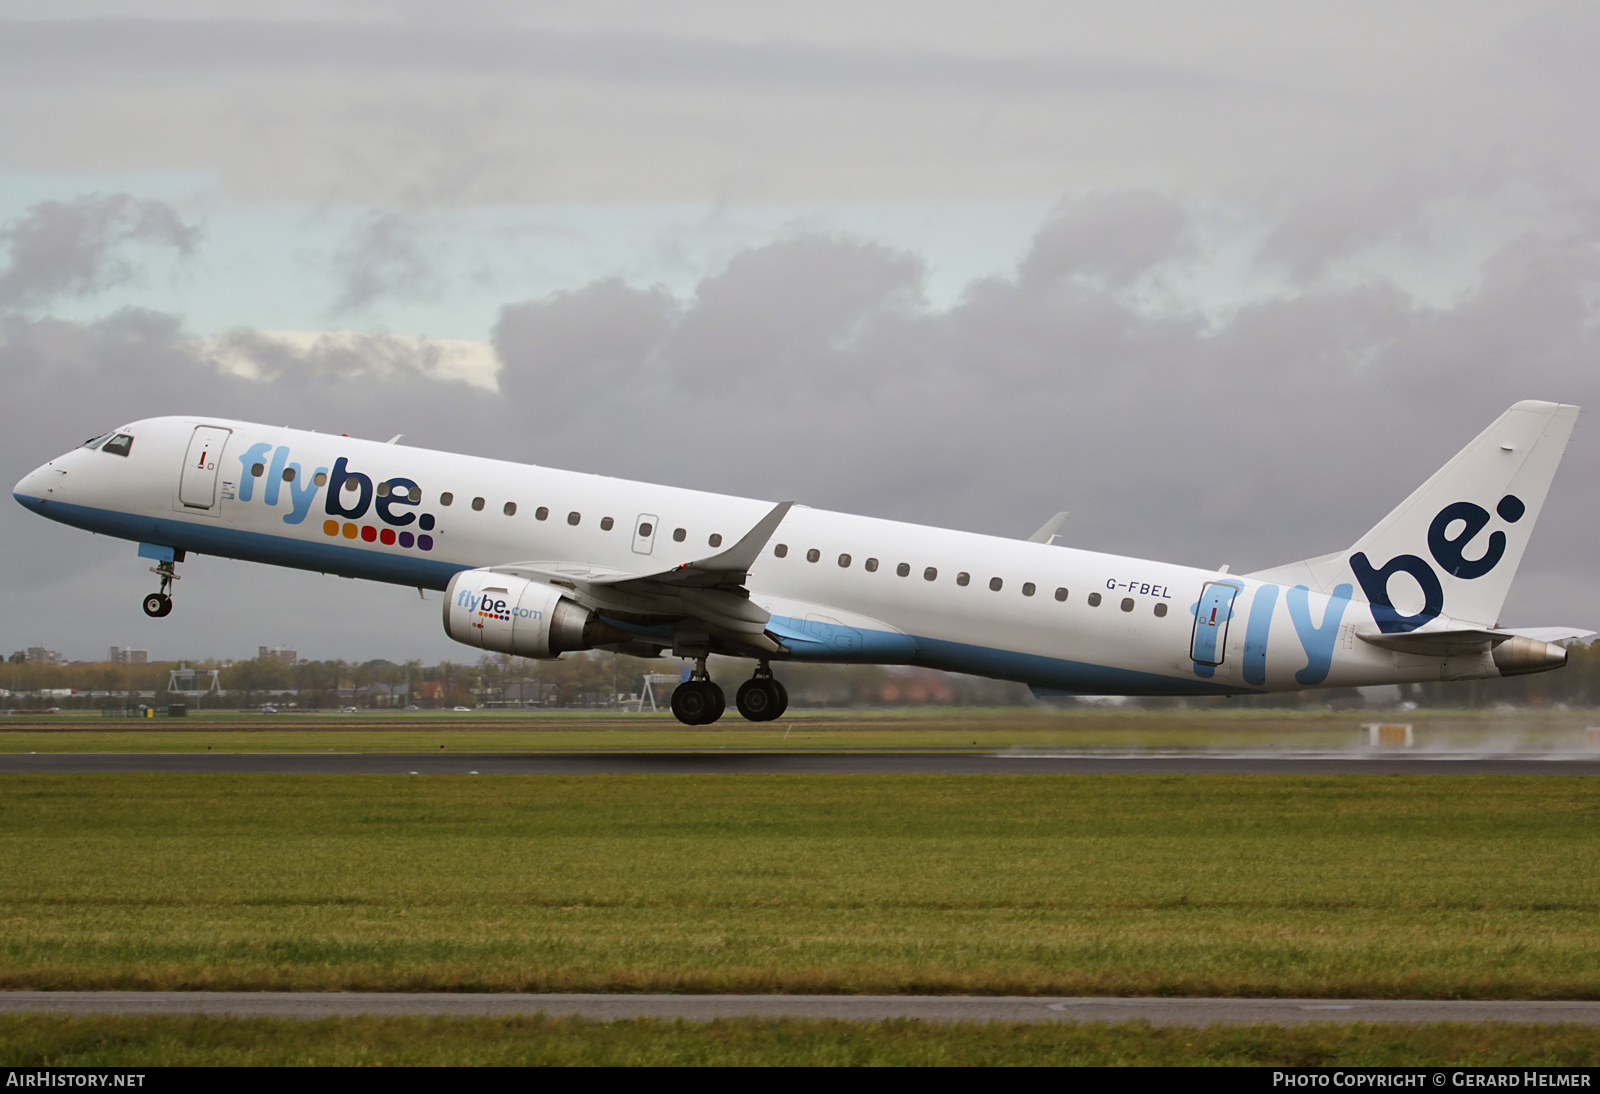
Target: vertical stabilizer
x=1454 y=545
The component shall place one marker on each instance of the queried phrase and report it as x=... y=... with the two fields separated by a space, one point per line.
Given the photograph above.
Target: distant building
x=38 y=655
x=122 y=655
x=278 y=653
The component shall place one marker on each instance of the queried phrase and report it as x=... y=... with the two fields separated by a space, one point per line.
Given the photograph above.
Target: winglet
x=742 y=555
x=1048 y=531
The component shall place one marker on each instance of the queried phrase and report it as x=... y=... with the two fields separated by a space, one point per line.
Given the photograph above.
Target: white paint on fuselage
x=956 y=627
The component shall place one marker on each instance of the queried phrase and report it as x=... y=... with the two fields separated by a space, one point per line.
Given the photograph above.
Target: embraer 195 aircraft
x=537 y=562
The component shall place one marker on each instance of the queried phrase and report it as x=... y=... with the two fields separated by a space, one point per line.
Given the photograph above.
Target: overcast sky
x=1227 y=281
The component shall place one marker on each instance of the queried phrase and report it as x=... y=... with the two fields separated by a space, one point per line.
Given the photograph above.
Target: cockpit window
x=94 y=442
x=118 y=445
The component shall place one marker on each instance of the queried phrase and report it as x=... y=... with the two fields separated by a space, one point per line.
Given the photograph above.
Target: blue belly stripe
x=182 y=535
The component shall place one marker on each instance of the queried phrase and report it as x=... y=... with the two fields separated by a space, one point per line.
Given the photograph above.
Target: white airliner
x=539 y=562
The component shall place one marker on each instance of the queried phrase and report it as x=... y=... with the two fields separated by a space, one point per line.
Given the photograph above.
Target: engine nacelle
x=509 y=614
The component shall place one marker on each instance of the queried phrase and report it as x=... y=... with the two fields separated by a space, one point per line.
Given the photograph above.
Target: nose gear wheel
x=159 y=605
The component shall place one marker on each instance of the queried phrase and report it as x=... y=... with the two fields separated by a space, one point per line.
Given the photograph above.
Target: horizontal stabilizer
x=1515 y=652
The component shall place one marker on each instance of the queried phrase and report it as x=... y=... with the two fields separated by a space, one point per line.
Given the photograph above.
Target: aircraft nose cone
x=33 y=486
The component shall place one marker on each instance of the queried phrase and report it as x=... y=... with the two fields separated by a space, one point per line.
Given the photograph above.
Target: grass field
x=985 y=728
x=35 y=1041
x=1384 y=886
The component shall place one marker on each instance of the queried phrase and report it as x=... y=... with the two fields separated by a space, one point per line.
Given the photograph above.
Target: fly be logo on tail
x=1465 y=520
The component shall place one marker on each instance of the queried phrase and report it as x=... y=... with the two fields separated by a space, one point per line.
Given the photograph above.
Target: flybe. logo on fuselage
x=350 y=497
x=1447 y=550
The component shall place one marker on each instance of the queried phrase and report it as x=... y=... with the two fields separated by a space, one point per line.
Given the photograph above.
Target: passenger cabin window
x=781 y=550
x=288 y=474
x=444 y=499
x=1127 y=603
x=541 y=513
x=995 y=584
x=257 y=470
x=813 y=554
x=477 y=503
x=383 y=489
x=646 y=530
x=606 y=524
x=844 y=562
x=716 y=539
x=679 y=535
x=963 y=579
x=573 y=519
x=1061 y=594
x=1028 y=588
x=351 y=486
x=510 y=509
x=414 y=495
x=871 y=565
x=903 y=570
x=1161 y=610
x=1094 y=600
x=930 y=574
x=321 y=479
x=120 y=445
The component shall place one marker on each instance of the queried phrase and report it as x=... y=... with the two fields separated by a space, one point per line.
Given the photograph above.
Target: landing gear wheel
x=761 y=700
x=157 y=605
x=783 y=700
x=698 y=702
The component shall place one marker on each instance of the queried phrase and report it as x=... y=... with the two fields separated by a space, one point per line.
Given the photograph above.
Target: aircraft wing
x=710 y=590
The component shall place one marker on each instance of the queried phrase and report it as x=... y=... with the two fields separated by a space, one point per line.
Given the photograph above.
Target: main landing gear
x=699 y=702
x=158 y=605
x=762 y=698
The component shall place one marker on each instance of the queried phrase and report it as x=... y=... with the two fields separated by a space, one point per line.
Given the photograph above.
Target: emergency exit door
x=644 y=533
x=197 y=486
x=1211 y=618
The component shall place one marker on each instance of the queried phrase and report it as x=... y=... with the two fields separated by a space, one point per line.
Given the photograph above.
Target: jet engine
x=508 y=614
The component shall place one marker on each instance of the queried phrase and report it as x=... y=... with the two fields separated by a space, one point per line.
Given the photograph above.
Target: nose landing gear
x=697 y=701
x=762 y=698
x=159 y=605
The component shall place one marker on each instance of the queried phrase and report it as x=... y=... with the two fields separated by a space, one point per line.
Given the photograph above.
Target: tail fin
x=1460 y=536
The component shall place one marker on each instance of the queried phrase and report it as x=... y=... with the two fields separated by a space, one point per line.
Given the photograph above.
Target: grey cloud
x=1114 y=237
x=74 y=248
x=74 y=48
x=602 y=337
x=383 y=259
x=1284 y=433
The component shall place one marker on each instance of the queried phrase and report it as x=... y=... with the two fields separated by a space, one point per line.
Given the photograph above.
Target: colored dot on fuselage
x=407 y=539
x=387 y=535
x=351 y=531
x=330 y=527
x=425 y=542
x=369 y=533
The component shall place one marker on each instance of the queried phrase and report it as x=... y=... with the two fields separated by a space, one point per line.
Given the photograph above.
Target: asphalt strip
x=701 y=1008
x=778 y=763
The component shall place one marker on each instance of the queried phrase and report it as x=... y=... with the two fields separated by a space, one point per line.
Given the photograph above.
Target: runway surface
x=777 y=763
x=954 y=1008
